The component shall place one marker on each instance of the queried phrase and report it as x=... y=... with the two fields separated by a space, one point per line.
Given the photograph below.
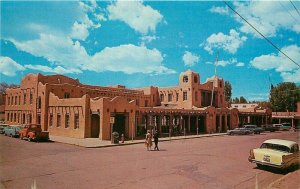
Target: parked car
x=240 y=131
x=2 y=126
x=34 y=132
x=270 y=127
x=285 y=126
x=277 y=125
x=254 y=128
x=12 y=131
x=282 y=154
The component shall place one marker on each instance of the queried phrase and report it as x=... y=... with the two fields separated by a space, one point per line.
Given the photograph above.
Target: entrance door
x=120 y=124
x=95 y=126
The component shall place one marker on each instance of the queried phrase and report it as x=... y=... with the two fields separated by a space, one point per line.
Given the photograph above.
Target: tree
x=284 y=97
x=243 y=100
x=227 y=90
x=235 y=100
x=4 y=86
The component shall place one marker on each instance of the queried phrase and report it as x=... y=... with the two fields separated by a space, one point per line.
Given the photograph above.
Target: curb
x=161 y=140
x=270 y=186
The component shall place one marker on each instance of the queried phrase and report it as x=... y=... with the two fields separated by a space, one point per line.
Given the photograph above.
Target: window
x=19 y=100
x=30 y=100
x=67 y=95
x=51 y=120
x=244 y=106
x=220 y=84
x=184 y=95
x=170 y=97
x=8 y=100
x=15 y=117
x=11 y=117
x=195 y=79
x=7 y=116
x=67 y=121
x=196 y=95
x=185 y=79
x=12 y=100
x=16 y=100
x=24 y=98
x=177 y=97
x=161 y=97
x=76 y=121
x=39 y=102
x=146 y=103
x=58 y=120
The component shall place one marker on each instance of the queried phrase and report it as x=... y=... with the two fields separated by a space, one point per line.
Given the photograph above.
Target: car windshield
x=277 y=147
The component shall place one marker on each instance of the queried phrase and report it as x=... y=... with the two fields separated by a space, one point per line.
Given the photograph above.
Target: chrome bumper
x=281 y=166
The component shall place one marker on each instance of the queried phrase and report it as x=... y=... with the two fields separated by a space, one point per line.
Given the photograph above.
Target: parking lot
x=210 y=162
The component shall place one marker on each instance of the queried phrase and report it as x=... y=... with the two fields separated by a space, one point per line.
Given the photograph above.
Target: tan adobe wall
x=70 y=107
x=109 y=107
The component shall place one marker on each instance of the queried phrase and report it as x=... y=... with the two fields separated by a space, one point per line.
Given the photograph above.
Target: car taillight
x=251 y=154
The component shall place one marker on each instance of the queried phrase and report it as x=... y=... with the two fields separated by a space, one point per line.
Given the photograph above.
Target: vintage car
x=2 y=126
x=282 y=154
x=270 y=127
x=239 y=131
x=254 y=128
x=285 y=126
x=13 y=130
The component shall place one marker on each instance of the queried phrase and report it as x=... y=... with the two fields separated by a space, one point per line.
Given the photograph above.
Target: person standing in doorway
x=148 y=140
x=155 y=136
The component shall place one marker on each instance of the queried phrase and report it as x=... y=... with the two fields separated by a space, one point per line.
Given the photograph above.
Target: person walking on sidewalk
x=155 y=136
x=148 y=141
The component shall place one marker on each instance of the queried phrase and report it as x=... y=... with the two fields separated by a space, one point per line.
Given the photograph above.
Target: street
x=210 y=162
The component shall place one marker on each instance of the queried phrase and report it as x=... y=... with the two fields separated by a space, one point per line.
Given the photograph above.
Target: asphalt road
x=211 y=162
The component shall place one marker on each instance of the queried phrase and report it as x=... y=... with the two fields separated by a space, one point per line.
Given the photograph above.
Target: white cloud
x=9 y=67
x=129 y=59
x=190 y=59
x=229 y=43
x=80 y=28
x=267 y=16
x=47 y=69
x=240 y=64
x=220 y=10
x=79 y=31
x=62 y=51
x=148 y=39
x=224 y=63
x=140 y=17
x=287 y=69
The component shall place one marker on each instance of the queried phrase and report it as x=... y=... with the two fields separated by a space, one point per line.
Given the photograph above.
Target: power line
x=295 y=7
x=262 y=35
x=297 y=20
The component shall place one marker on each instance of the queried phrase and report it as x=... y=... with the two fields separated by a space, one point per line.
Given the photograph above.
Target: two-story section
x=189 y=93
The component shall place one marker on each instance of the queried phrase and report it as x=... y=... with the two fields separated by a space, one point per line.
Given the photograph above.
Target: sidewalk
x=97 y=143
x=290 y=180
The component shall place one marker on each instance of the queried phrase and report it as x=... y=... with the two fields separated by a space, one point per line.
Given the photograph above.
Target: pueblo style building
x=65 y=107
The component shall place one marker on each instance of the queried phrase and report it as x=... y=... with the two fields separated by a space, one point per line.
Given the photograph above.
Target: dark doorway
x=201 y=124
x=223 y=124
x=95 y=126
x=228 y=122
x=120 y=124
x=193 y=124
x=217 y=123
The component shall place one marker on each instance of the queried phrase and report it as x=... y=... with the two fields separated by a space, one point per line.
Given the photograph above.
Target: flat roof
x=287 y=143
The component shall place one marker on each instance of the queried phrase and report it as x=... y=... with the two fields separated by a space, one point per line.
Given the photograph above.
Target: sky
x=149 y=43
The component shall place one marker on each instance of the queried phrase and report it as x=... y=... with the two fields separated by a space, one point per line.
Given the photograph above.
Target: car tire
x=258 y=165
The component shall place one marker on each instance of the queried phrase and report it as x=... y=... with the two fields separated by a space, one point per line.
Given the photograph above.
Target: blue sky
x=147 y=43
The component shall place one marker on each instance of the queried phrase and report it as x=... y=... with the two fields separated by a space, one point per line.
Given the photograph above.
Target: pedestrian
x=148 y=141
x=155 y=136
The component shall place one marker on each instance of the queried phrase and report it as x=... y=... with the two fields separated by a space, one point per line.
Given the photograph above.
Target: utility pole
x=213 y=88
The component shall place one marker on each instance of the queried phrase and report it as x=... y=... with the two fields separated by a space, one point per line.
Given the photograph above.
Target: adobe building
x=287 y=117
x=65 y=107
x=252 y=113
